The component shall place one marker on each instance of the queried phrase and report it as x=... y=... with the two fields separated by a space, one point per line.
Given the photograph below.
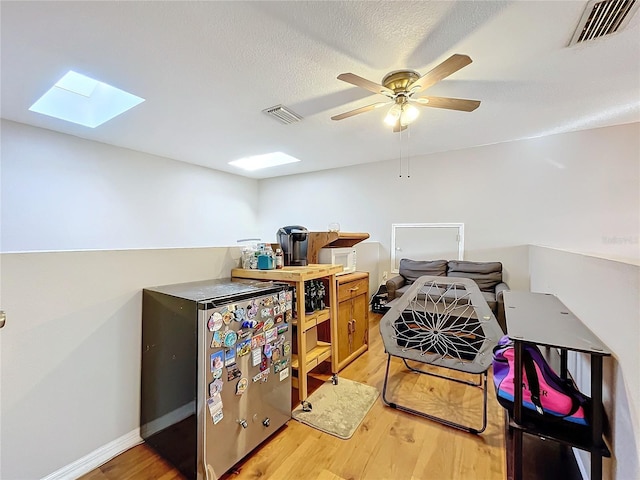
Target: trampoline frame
x=441 y=309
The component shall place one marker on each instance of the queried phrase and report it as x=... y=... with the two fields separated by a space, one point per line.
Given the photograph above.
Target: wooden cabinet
x=313 y=333
x=352 y=337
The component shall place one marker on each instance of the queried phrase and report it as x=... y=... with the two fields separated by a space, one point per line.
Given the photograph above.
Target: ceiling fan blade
x=364 y=83
x=351 y=113
x=450 y=65
x=449 y=103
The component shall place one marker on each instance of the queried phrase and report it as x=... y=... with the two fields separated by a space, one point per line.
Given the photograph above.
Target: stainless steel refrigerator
x=216 y=371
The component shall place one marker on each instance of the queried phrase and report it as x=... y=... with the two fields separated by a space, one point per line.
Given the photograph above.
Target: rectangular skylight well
x=83 y=100
x=258 y=162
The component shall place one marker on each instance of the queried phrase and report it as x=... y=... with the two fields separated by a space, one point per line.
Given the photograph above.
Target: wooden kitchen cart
x=314 y=334
x=542 y=319
x=353 y=317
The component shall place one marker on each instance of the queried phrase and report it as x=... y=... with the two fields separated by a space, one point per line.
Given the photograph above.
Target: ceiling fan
x=401 y=86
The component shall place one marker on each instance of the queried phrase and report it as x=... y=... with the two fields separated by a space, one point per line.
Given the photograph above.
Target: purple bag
x=544 y=394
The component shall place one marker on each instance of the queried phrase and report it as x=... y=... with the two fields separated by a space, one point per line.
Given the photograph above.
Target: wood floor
x=389 y=444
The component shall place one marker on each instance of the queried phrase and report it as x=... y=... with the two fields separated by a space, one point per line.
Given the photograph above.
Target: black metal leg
x=517 y=412
x=432 y=417
x=596 y=415
x=563 y=364
x=517 y=454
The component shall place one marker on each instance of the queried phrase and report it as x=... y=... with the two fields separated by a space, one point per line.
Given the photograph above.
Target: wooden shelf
x=314 y=357
x=313 y=319
x=289 y=274
x=318 y=240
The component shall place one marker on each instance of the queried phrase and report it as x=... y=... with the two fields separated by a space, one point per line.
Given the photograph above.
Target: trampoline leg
x=441 y=420
x=384 y=387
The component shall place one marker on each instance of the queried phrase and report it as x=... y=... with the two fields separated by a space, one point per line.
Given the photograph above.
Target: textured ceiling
x=208 y=69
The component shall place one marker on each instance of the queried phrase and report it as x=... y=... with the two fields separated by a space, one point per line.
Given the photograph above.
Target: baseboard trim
x=96 y=458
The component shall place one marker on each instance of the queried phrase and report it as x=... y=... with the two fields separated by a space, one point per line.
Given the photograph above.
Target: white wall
x=61 y=192
x=576 y=190
x=70 y=352
x=605 y=295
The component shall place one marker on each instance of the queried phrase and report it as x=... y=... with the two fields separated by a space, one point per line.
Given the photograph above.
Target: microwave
x=339 y=256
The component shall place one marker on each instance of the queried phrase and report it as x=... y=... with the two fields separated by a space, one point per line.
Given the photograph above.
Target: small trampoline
x=443 y=322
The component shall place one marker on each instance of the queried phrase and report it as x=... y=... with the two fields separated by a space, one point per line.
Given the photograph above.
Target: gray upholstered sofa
x=488 y=276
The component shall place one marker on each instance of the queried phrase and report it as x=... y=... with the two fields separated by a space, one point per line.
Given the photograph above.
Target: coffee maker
x=293 y=241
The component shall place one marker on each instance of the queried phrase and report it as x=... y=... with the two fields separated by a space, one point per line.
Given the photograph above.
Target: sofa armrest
x=500 y=289
x=502 y=321
x=392 y=285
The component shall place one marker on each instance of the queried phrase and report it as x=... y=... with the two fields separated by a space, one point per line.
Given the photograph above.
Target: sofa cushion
x=486 y=274
x=411 y=270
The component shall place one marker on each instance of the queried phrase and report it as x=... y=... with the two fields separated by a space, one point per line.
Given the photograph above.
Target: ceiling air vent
x=602 y=17
x=282 y=114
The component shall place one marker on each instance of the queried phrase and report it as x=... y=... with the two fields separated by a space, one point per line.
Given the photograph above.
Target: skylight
x=80 y=99
x=267 y=160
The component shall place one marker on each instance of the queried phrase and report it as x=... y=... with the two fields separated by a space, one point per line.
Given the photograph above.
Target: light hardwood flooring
x=389 y=444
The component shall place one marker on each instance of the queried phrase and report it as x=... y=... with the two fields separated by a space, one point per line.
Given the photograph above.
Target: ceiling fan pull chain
x=408 y=152
x=400 y=140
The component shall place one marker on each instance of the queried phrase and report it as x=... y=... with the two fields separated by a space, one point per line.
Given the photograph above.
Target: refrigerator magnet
x=230 y=338
x=282 y=297
x=268 y=323
x=217 y=417
x=256 y=356
x=215 y=387
x=286 y=349
x=280 y=365
x=242 y=385
x=216 y=339
x=243 y=348
x=233 y=372
x=271 y=335
x=264 y=364
x=217 y=360
x=275 y=354
x=215 y=322
x=265 y=313
x=239 y=314
x=217 y=373
x=252 y=310
x=258 y=340
x=283 y=327
x=227 y=317
x=230 y=357
x=267 y=350
x=257 y=377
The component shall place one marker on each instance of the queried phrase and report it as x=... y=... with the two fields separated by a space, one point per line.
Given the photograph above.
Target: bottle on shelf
x=279 y=258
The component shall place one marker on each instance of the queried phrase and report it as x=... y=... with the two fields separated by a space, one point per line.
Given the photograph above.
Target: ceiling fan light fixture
x=409 y=114
x=392 y=116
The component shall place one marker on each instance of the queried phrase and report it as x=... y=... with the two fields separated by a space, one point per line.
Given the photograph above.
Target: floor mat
x=338 y=409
